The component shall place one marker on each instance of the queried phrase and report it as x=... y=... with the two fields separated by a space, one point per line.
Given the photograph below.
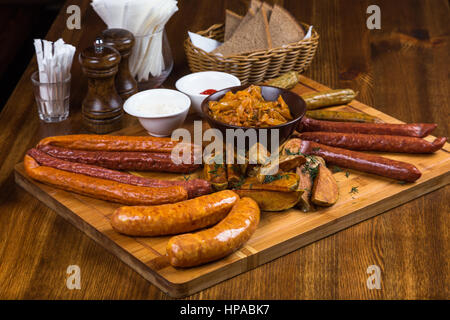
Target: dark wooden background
x=401 y=69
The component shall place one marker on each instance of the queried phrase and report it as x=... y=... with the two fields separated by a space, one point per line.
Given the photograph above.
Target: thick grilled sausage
x=95 y=142
x=188 y=250
x=176 y=218
x=126 y=160
x=194 y=187
x=418 y=130
x=101 y=188
x=356 y=160
x=370 y=142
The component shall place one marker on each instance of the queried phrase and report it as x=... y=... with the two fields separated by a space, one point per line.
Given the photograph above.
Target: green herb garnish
x=347 y=174
x=290 y=153
x=402 y=182
x=310 y=167
x=215 y=170
x=336 y=169
x=239 y=184
x=316 y=149
x=269 y=179
x=354 y=190
x=186 y=178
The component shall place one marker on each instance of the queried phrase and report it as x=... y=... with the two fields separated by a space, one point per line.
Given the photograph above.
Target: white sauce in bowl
x=156 y=103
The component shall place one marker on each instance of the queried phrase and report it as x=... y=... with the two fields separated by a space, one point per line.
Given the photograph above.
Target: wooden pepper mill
x=123 y=41
x=102 y=107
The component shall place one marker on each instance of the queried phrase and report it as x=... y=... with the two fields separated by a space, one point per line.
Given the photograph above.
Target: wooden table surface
x=401 y=70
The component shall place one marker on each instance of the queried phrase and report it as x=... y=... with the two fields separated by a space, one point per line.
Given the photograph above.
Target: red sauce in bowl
x=208 y=92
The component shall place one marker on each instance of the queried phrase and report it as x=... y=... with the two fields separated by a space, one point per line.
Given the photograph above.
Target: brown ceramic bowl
x=295 y=103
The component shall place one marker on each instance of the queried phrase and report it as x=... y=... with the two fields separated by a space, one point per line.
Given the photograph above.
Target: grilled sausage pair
x=187 y=250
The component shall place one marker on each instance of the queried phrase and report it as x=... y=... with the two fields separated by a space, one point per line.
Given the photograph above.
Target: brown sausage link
x=366 y=142
x=359 y=161
x=194 y=187
x=139 y=161
x=95 y=142
x=418 y=130
x=101 y=188
x=180 y=217
x=188 y=250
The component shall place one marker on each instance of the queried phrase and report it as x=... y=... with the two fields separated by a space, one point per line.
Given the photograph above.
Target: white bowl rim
x=189 y=75
x=172 y=91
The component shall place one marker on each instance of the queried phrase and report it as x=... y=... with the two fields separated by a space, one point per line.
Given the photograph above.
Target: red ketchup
x=208 y=92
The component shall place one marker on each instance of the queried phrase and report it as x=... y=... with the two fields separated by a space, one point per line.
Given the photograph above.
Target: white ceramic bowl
x=160 y=111
x=195 y=83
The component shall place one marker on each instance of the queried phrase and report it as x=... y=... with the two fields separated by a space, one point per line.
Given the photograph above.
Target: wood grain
x=399 y=69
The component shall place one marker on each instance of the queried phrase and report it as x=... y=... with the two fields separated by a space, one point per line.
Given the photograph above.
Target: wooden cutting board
x=278 y=232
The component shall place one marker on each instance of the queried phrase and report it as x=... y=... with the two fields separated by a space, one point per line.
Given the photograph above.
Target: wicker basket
x=255 y=67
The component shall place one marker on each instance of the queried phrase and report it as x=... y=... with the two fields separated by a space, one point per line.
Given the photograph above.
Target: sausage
x=357 y=160
x=174 y=218
x=94 y=142
x=102 y=188
x=194 y=187
x=188 y=250
x=127 y=160
x=366 y=142
x=418 y=130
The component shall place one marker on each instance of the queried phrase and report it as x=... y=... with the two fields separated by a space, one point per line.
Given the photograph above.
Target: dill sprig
x=354 y=190
x=269 y=179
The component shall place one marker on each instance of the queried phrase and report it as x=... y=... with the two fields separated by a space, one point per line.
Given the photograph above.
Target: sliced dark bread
x=268 y=9
x=232 y=21
x=252 y=34
x=256 y=4
x=283 y=27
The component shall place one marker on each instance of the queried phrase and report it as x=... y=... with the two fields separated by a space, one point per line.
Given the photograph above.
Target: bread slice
x=252 y=34
x=283 y=27
x=251 y=12
x=232 y=21
x=268 y=9
x=256 y=5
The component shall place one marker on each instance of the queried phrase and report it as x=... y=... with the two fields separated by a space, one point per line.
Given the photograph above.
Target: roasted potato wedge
x=288 y=163
x=258 y=154
x=285 y=164
x=234 y=175
x=285 y=182
x=291 y=147
x=325 y=191
x=307 y=172
x=272 y=200
x=215 y=172
x=242 y=162
x=305 y=183
x=252 y=170
x=257 y=157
